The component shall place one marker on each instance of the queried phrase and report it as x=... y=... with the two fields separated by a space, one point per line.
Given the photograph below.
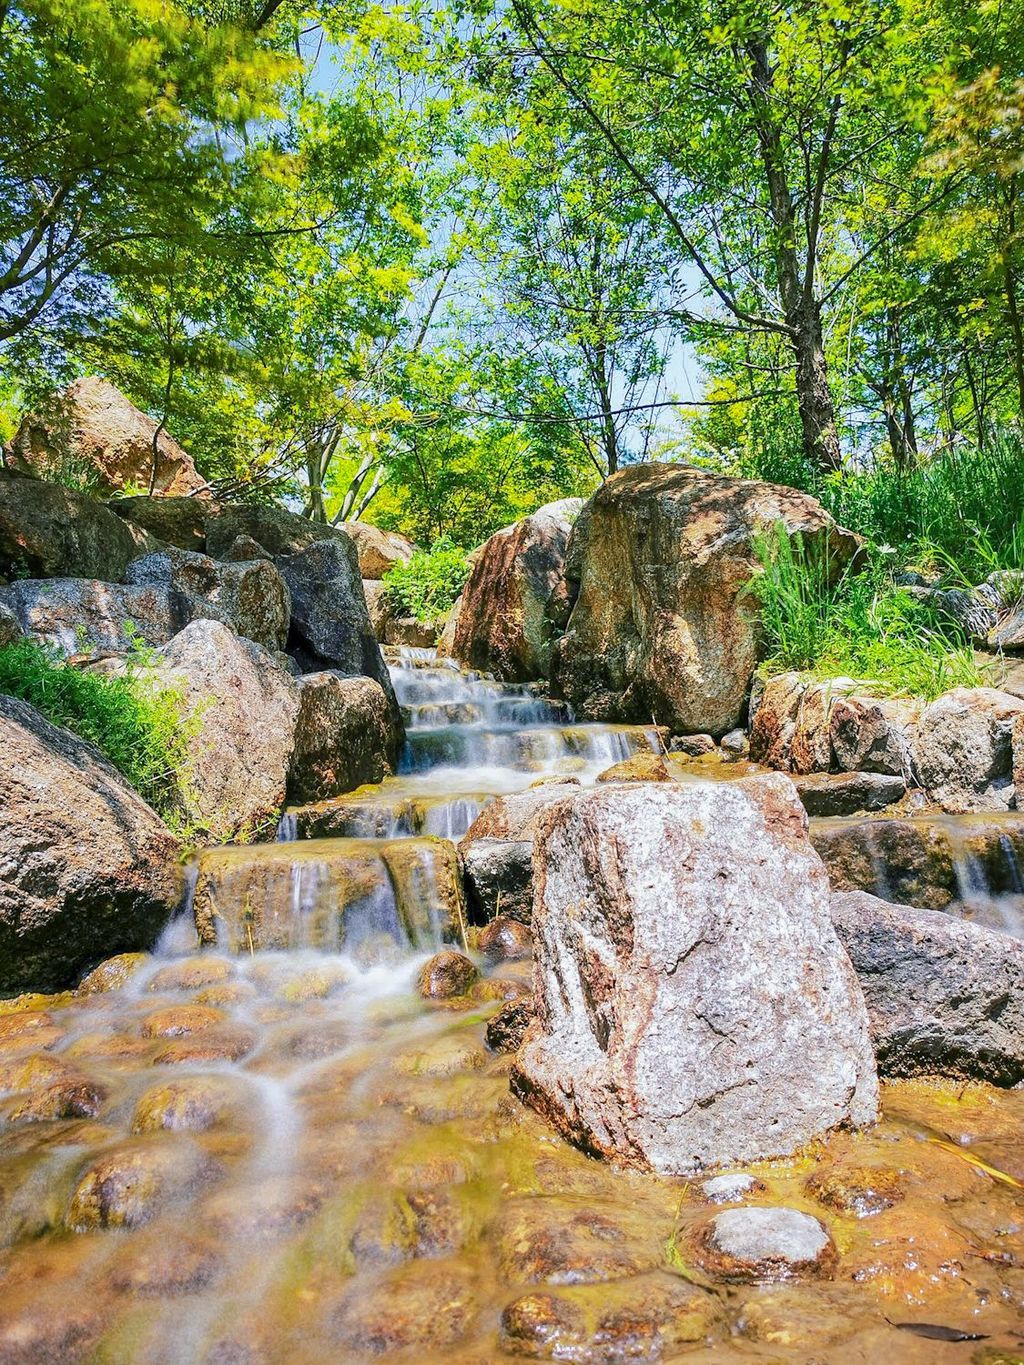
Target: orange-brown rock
x=446 y=975
x=504 y=623
x=92 y=433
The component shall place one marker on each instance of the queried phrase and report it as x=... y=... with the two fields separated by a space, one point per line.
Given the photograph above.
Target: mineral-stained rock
x=250 y=598
x=113 y=974
x=329 y=615
x=944 y=996
x=650 y=767
x=92 y=433
x=86 y=867
x=664 y=624
x=860 y=1192
x=694 y=1006
x=873 y=734
x=47 y=531
x=344 y=736
x=762 y=1245
x=504 y=621
x=506 y=1030
x=426 y=1305
x=847 y=793
x=731 y=1188
x=378 y=550
x=963 y=752
x=243 y=707
x=693 y=746
x=445 y=975
x=125 y=1187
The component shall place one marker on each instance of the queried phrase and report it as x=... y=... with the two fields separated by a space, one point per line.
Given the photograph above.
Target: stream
x=261 y=1145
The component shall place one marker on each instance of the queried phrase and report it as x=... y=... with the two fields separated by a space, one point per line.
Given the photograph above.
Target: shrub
x=136 y=726
x=861 y=625
x=429 y=583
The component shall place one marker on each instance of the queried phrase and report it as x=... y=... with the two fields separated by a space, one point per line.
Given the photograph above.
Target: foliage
x=427 y=585
x=138 y=728
x=858 y=624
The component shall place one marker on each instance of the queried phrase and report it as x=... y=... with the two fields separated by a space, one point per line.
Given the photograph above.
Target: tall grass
x=962 y=506
x=860 y=624
x=138 y=728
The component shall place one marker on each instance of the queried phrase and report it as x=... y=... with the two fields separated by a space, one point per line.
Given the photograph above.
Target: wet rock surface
x=389 y=1199
x=717 y=1021
x=344 y=736
x=765 y=1244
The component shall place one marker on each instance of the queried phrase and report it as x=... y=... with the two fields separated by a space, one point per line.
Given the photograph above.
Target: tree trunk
x=800 y=309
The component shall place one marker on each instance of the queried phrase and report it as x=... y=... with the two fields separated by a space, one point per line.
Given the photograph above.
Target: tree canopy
x=434 y=266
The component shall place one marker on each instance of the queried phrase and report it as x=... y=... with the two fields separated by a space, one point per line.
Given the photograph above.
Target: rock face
x=244 y=707
x=173 y=521
x=963 y=749
x=378 y=550
x=504 y=623
x=329 y=616
x=250 y=597
x=278 y=531
x=10 y=626
x=82 y=618
x=93 y=432
x=343 y=738
x=944 y=997
x=47 y=531
x=86 y=867
x=694 y=1006
x=662 y=624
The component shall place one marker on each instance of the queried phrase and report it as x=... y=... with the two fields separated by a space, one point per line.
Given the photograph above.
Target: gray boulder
x=344 y=737
x=87 y=869
x=499 y=878
x=83 y=618
x=248 y=596
x=848 y=793
x=694 y=1005
x=963 y=749
x=10 y=626
x=329 y=617
x=944 y=997
x=279 y=532
x=242 y=708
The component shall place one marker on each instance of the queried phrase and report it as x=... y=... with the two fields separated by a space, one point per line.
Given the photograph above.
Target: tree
x=121 y=123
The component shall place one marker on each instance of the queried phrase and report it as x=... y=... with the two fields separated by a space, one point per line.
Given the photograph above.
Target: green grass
x=136 y=726
x=859 y=624
x=427 y=586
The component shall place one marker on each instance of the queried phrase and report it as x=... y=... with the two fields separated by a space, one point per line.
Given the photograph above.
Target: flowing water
x=272 y=1150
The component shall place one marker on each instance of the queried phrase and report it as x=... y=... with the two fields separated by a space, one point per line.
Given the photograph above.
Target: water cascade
x=260 y=1145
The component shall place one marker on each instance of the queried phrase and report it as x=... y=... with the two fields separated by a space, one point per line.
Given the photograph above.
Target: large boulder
x=663 y=623
x=330 y=622
x=279 y=532
x=378 y=550
x=249 y=596
x=963 y=749
x=47 y=531
x=344 y=737
x=172 y=521
x=82 y=618
x=504 y=623
x=944 y=997
x=87 y=869
x=242 y=707
x=91 y=433
x=805 y=726
x=694 y=1006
